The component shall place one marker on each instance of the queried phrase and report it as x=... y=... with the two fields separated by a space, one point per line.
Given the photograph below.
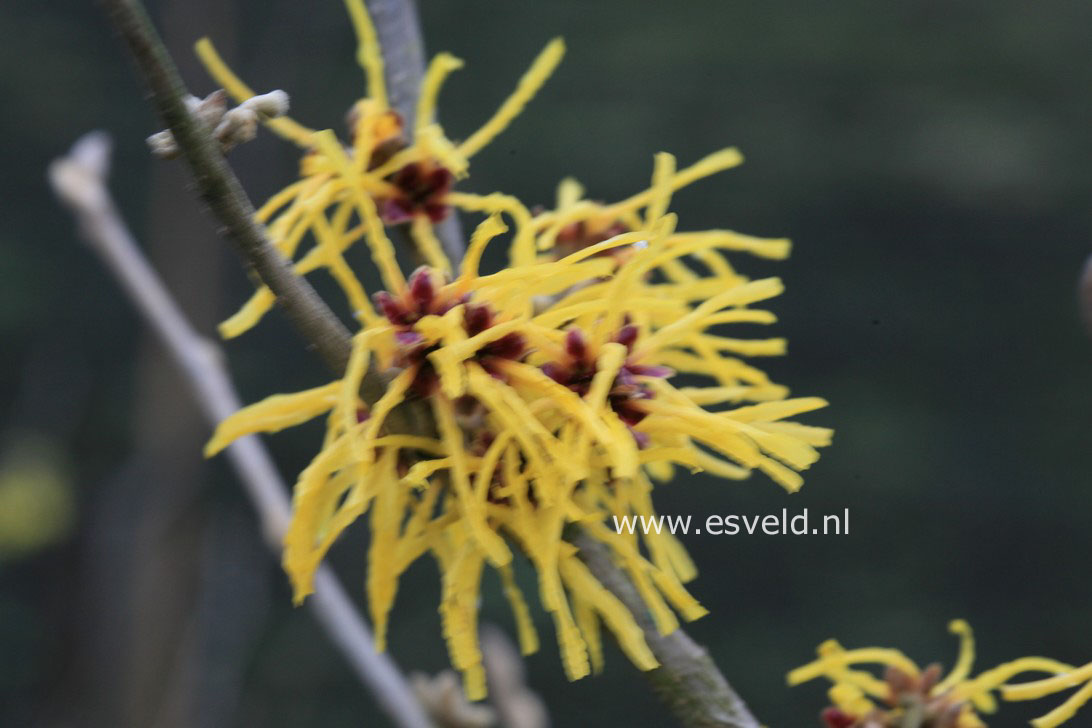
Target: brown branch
x=79 y=180
x=688 y=680
x=220 y=188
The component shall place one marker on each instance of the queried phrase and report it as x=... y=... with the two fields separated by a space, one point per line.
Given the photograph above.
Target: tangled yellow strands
x=561 y=457
x=1065 y=680
x=323 y=202
x=549 y=455
x=854 y=690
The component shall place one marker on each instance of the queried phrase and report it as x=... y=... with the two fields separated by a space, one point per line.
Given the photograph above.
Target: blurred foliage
x=928 y=157
x=36 y=500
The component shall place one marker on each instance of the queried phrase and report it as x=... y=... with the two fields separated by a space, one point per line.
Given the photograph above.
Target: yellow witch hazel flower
x=910 y=696
x=551 y=384
x=381 y=177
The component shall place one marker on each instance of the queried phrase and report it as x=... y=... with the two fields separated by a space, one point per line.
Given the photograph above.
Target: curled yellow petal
x=540 y=70
x=273 y=414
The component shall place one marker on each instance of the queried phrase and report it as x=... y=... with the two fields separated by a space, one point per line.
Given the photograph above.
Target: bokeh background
x=930 y=159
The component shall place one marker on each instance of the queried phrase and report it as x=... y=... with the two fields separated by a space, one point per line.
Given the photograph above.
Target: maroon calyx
x=423 y=298
x=837 y=718
x=421 y=188
x=578 y=368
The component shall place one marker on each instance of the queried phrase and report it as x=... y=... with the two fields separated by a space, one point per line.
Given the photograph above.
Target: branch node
x=230 y=127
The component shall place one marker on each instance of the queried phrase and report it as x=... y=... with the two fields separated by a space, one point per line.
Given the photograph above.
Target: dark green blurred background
x=930 y=159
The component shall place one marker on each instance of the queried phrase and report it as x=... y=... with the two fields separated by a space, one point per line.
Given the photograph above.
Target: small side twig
x=79 y=181
x=220 y=188
x=229 y=127
x=688 y=680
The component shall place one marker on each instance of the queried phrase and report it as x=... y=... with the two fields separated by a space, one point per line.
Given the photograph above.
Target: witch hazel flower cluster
x=560 y=389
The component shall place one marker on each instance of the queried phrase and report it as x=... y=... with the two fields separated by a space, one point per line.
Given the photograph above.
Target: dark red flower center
x=422 y=298
x=577 y=370
x=421 y=188
x=837 y=718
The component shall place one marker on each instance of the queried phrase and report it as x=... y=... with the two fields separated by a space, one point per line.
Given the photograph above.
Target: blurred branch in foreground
x=79 y=181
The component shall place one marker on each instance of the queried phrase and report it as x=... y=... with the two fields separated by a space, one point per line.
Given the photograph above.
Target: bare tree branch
x=79 y=181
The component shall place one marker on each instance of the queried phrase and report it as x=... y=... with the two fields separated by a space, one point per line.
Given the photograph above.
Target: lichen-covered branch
x=688 y=680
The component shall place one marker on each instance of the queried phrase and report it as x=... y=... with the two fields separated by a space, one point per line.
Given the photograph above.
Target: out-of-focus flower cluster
x=552 y=383
x=910 y=696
